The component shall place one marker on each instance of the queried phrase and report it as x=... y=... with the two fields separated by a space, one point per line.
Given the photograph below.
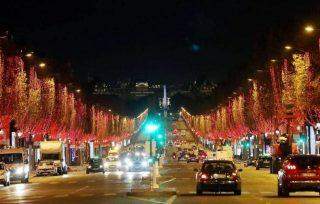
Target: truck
x=16 y=160
x=52 y=159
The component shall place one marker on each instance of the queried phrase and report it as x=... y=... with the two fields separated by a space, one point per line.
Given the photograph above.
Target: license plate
x=308 y=174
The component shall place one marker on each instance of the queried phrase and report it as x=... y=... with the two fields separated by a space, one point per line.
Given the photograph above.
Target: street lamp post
x=150 y=129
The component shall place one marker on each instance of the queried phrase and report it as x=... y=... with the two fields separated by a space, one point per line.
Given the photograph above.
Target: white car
x=4 y=175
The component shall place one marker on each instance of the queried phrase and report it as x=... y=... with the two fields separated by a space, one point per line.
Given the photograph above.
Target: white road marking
x=110 y=194
x=61 y=196
x=171 y=199
x=168 y=181
x=146 y=200
x=80 y=189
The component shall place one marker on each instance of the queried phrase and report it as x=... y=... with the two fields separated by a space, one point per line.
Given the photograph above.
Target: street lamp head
x=288 y=47
x=42 y=64
x=249 y=79
x=78 y=90
x=309 y=29
x=29 y=54
x=273 y=60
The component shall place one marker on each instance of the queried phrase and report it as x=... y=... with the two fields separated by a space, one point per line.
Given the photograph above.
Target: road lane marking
x=171 y=199
x=61 y=196
x=110 y=194
x=80 y=189
x=146 y=200
x=167 y=181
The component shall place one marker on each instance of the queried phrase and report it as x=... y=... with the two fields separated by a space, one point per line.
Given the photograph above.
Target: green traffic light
x=150 y=128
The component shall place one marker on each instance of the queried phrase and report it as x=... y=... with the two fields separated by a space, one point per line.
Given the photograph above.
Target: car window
x=218 y=167
x=305 y=162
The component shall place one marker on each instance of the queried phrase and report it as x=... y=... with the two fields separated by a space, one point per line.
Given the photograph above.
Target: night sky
x=165 y=41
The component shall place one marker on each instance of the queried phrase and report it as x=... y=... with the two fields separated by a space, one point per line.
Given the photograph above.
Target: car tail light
x=203 y=177
x=291 y=167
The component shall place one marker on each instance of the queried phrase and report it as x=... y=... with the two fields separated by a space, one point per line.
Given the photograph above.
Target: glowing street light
x=273 y=60
x=109 y=110
x=250 y=79
x=78 y=90
x=29 y=54
x=309 y=29
x=288 y=47
x=42 y=64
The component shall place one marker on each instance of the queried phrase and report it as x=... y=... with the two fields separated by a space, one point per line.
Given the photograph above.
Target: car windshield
x=95 y=161
x=219 y=167
x=112 y=159
x=303 y=162
x=50 y=156
x=14 y=158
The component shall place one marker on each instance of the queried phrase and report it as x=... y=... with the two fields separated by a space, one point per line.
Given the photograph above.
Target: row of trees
x=285 y=96
x=41 y=106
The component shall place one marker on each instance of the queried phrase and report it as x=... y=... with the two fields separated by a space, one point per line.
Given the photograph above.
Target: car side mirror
x=240 y=170
x=195 y=169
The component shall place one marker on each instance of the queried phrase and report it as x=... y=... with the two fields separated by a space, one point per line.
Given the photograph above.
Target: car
x=135 y=164
x=4 y=174
x=95 y=165
x=218 y=176
x=249 y=162
x=192 y=158
x=263 y=162
x=299 y=173
x=112 y=164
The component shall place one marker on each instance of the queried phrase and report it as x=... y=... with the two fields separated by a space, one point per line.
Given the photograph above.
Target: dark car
x=250 y=162
x=299 y=173
x=95 y=165
x=218 y=176
x=192 y=158
x=263 y=162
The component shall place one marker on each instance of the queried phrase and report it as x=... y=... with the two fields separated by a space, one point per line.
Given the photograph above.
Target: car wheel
x=199 y=190
x=283 y=192
x=237 y=192
x=4 y=183
x=26 y=180
x=257 y=168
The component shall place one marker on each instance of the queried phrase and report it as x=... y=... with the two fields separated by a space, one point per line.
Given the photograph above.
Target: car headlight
x=144 y=164
x=19 y=170
x=100 y=166
x=89 y=166
x=26 y=169
x=128 y=162
x=105 y=165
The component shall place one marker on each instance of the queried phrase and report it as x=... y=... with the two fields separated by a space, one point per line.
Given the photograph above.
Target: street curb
x=155 y=193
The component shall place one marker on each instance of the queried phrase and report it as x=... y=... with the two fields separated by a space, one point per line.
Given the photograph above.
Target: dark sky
x=169 y=41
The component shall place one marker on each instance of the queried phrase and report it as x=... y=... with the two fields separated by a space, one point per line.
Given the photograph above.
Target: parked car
x=4 y=174
x=218 y=176
x=263 y=162
x=249 y=162
x=95 y=165
x=192 y=158
x=299 y=173
x=112 y=164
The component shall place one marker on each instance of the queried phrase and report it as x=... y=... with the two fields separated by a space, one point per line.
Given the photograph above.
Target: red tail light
x=204 y=176
x=291 y=167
